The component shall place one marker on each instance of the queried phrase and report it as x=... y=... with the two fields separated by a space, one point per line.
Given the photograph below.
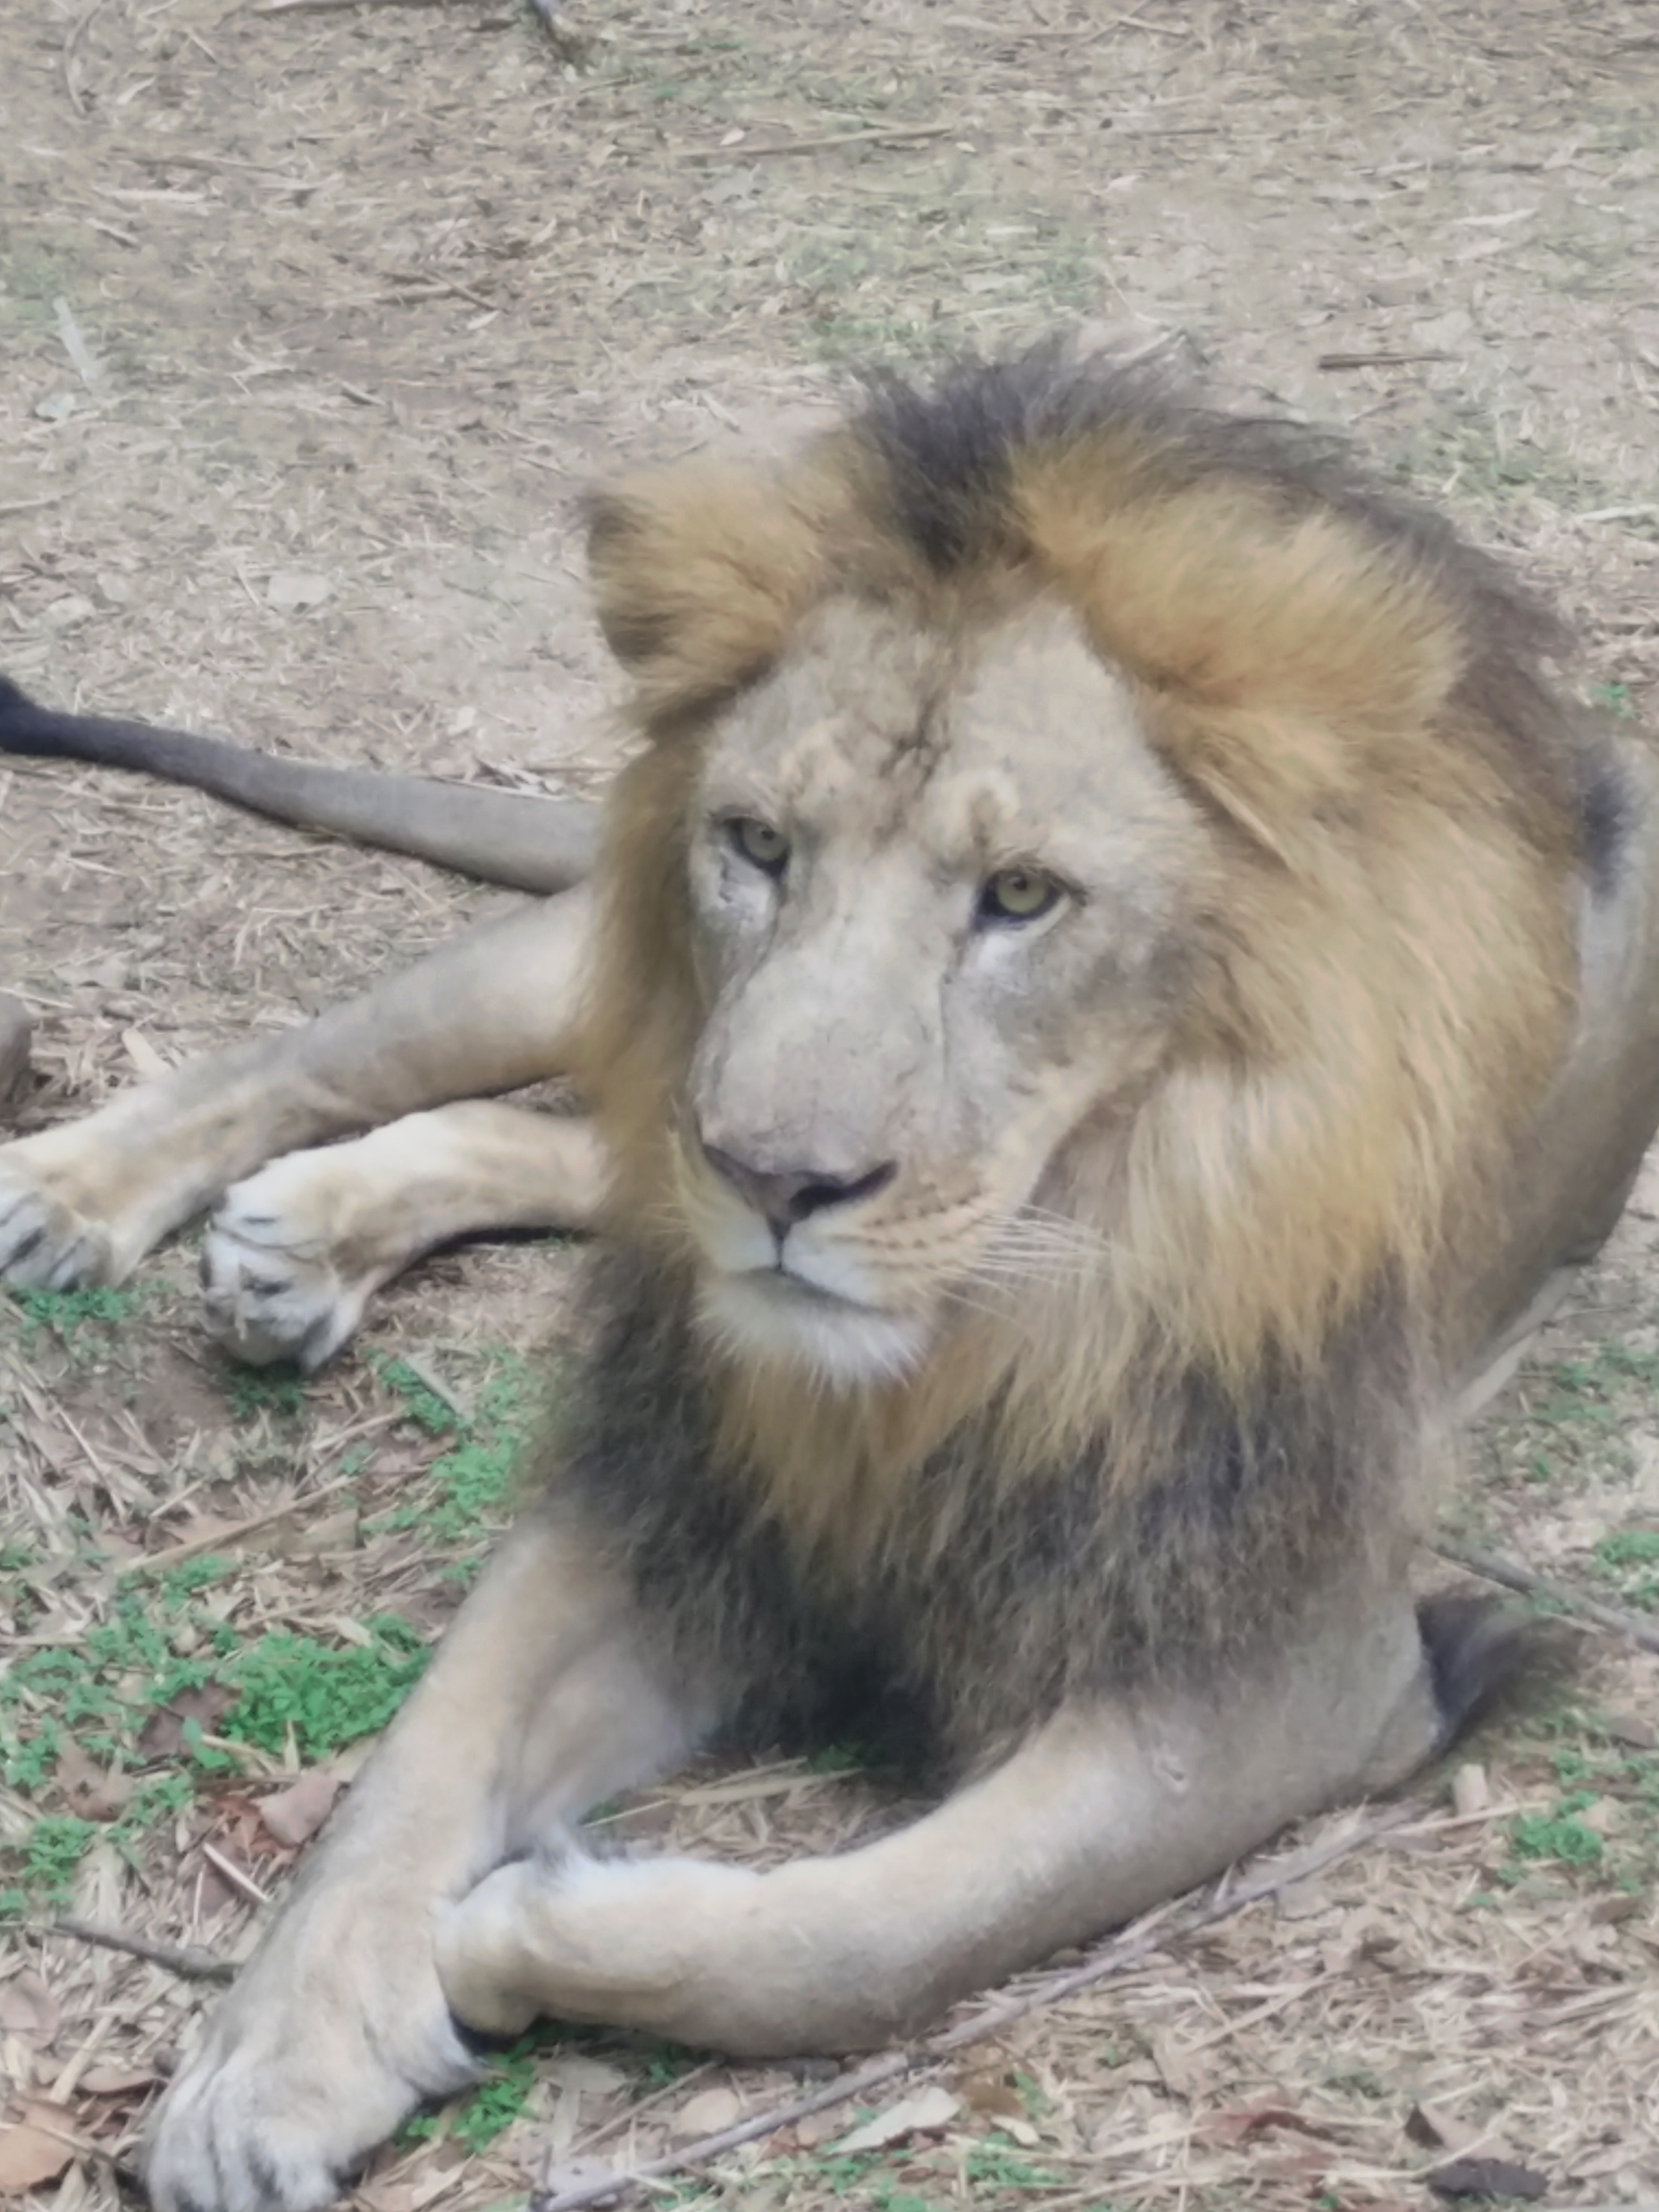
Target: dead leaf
x=290 y=589
x=929 y=2108
x=16 y=1032
x=162 y=1736
x=1180 y=2075
x=992 y=2094
x=817 y=2127
x=580 y=2173
x=294 y=1815
x=1302 y=1901
x=709 y=2113
x=151 y=1064
x=1304 y=2167
x=116 y=2081
x=1608 y=1911
x=1631 y=1729
x=1486 y=2177
x=1257 y=2119
x=1471 y=1792
x=1603 y=1816
x=1438 y=2129
x=592 y=2077
x=28 y=2007
x=36 y=2150
x=334 y=1532
x=92 y=1792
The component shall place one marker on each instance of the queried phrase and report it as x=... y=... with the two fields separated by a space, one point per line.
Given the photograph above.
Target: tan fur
x=1344 y=1094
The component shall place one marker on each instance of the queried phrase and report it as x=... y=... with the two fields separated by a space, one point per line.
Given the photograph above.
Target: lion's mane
x=1144 y=1467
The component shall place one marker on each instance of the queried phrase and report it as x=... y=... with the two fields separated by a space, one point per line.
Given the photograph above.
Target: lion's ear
x=700 y=572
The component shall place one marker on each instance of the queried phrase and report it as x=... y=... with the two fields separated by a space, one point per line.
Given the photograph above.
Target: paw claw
x=45 y=1242
x=271 y=1289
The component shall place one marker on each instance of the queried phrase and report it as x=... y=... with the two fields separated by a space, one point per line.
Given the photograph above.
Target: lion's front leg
x=540 y=1702
x=1101 y=1814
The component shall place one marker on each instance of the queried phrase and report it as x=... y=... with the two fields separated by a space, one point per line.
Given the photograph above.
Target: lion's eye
x=1017 y=894
x=760 y=844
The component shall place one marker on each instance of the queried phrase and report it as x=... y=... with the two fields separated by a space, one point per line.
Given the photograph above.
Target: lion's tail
x=1481 y=1651
x=498 y=836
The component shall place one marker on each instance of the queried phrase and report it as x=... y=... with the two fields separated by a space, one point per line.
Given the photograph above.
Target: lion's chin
x=767 y=1316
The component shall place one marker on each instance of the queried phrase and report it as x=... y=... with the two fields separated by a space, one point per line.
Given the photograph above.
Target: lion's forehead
x=1018 y=738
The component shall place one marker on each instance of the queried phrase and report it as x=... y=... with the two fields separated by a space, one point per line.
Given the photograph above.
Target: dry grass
x=367 y=294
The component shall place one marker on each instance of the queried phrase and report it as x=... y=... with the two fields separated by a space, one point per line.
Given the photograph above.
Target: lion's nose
x=786 y=1197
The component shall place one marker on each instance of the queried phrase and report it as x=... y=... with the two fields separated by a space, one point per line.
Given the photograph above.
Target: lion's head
x=1095 y=880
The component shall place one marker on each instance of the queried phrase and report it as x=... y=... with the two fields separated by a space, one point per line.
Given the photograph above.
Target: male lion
x=1116 y=984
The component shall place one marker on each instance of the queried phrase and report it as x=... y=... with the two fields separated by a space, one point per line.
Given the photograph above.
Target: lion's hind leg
x=1103 y=1813
x=294 y=1254
x=489 y=1011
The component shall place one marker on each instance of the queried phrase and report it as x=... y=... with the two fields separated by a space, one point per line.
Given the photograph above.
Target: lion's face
x=1094 y=897
x=939 y=885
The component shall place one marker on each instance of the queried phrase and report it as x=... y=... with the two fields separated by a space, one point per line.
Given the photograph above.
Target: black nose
x=787 y=1198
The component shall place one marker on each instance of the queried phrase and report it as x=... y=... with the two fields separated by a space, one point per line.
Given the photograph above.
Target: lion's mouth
x=776 y=1314
x=781 y=1279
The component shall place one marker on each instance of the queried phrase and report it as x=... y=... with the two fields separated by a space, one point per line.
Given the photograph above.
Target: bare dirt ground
x=363 y=296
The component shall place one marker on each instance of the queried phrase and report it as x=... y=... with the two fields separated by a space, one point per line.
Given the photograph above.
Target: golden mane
x=1345 y=687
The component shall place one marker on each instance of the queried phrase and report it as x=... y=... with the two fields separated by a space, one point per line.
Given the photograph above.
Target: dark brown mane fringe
x=988 y=1606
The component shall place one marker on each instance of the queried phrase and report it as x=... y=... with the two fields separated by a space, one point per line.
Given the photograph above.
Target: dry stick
x=1329 y=361
x=83 y=24
x=236 y=1876
x=1508 y=1576
x=191 y=1964
x=319 y=7
x=237 y=1529
x=893 y=134
x=1116 y=1957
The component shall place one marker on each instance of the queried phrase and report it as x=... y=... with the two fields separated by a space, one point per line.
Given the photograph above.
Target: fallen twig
x=320 y=7
x=892 y=133
x=1377 y=360
x=83 y=25
x=75 y=343
x=191 y=1963
x=1508 y=1576
x=1117 y=1956
x=235 y=1532
x=238 y=1877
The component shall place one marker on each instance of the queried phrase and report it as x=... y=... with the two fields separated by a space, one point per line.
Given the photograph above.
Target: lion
x=1114 y=989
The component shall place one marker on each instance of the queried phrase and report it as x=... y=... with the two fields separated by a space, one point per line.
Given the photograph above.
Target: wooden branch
x=234 y=1531
x=191 y=1964
x=892 y=134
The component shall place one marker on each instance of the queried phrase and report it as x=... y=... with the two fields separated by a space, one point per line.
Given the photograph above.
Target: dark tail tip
x=1484 y=1654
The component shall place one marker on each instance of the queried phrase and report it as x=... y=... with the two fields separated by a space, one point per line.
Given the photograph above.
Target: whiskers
x=1036 y=1245
x=1033 y=1249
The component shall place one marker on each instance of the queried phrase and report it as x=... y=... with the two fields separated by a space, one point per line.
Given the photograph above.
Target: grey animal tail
x=498 y=836
x=1481 y=1651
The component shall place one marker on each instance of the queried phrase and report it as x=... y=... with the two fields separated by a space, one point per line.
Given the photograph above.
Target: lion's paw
x=292 y=2087
x=620 y=1942
x=46 y=1241
x=273 y=1284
